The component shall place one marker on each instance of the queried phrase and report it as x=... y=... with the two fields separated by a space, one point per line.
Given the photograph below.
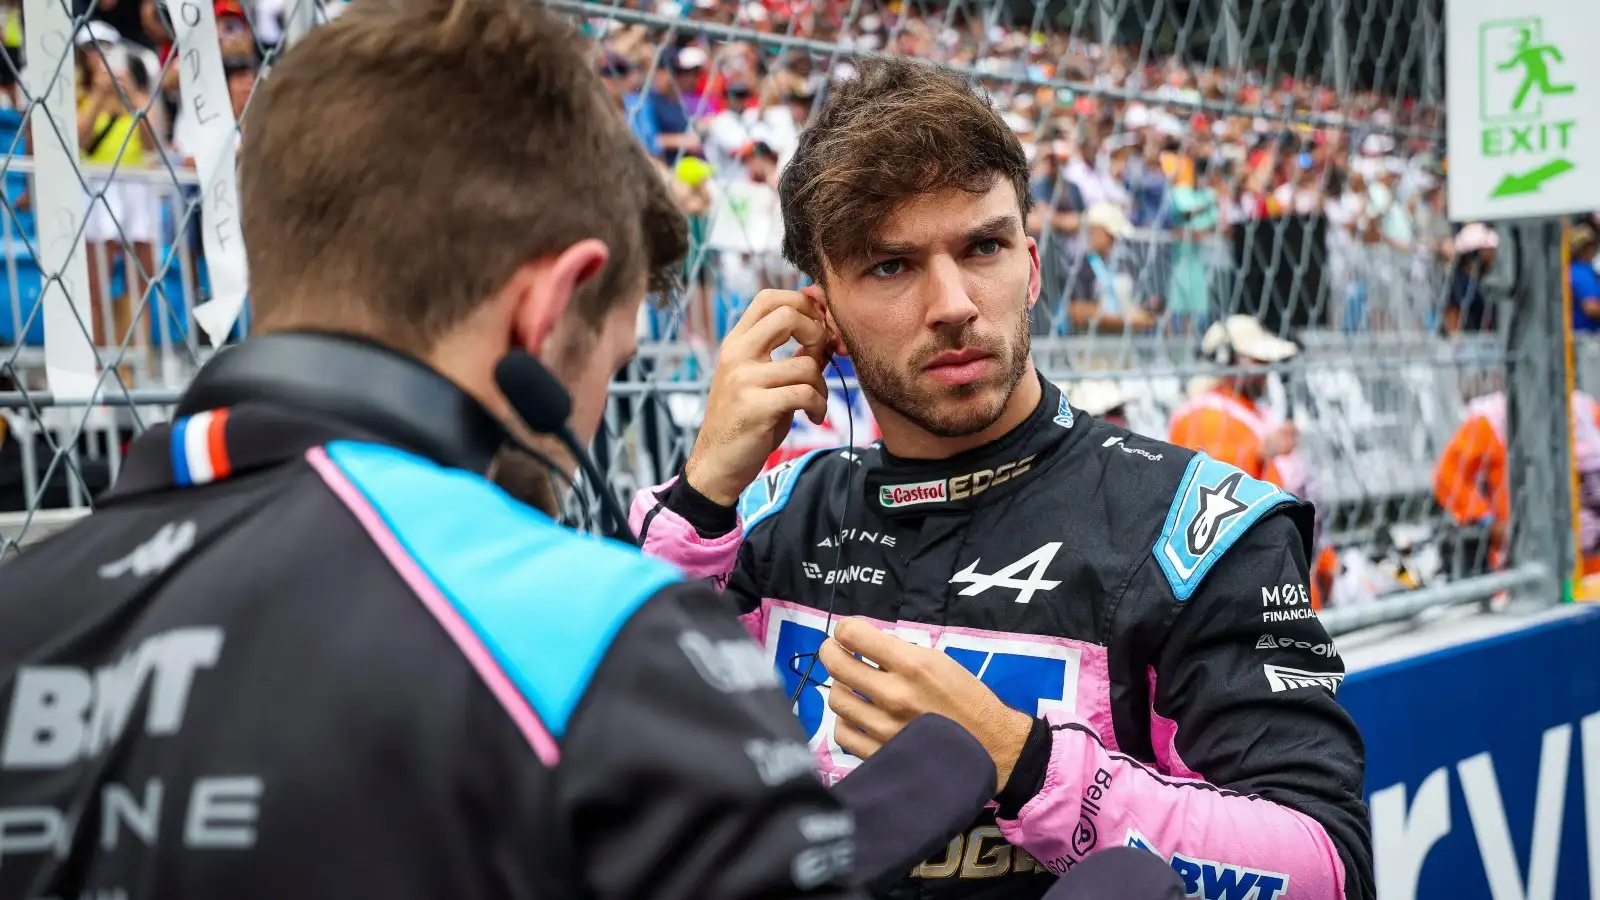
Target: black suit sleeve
x=684 y=774
x=1249 y=677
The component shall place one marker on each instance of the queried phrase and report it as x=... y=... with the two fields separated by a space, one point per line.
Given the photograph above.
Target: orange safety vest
x=1470 y=481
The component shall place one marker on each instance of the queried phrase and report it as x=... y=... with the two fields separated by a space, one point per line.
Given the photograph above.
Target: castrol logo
x=893 y=495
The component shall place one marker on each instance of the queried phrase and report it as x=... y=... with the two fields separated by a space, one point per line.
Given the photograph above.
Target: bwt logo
x=60 y=715
x=1211 y=880
x=1033 y=678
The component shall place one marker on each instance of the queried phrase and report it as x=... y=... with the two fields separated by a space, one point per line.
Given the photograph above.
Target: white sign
x=1524 y=108
x=746 y=218
x=203 y=84
x=70 y=361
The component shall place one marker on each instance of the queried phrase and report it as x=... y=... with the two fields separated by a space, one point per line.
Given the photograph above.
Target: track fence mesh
x=1280 y=159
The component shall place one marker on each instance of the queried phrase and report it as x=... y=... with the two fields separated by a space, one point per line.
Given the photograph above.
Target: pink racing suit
x=1146 y=604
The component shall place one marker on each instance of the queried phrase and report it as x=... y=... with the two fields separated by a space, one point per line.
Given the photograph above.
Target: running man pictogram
x=1531 y=56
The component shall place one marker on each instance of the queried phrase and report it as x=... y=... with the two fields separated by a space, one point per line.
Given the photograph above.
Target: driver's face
x=936 y=317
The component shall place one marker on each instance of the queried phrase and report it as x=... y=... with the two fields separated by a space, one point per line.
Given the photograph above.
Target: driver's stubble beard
x=897 y=389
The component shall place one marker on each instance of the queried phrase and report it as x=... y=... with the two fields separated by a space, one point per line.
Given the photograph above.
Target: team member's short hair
x=899 y=129
x=412 y=154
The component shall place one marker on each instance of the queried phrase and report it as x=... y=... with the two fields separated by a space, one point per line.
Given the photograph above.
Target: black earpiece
x=544 y=405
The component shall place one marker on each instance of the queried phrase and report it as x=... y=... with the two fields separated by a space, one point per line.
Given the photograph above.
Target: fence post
x=1537 y=419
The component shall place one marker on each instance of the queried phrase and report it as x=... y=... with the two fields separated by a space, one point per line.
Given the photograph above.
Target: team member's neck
x=906 y=440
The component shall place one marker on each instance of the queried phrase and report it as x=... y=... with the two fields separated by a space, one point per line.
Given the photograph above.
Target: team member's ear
x=540 y=292
x=819 y=298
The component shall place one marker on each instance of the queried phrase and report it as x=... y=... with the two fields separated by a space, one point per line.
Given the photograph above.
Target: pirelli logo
x=1283 y=678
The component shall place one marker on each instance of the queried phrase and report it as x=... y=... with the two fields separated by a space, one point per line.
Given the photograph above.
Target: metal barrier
x=1315 y=207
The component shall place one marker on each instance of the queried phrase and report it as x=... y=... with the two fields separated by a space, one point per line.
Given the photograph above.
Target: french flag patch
x=199 y=448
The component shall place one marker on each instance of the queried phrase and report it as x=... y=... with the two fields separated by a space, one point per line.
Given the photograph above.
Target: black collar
x=285 y=393
x=381 y=391
x=905 y=487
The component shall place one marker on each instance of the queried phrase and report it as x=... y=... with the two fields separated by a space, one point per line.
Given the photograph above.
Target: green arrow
x=1514 y=185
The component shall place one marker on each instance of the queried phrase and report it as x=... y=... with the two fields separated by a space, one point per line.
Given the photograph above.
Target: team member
x=1122 y=622
x=1471 y=480
x=304 y=648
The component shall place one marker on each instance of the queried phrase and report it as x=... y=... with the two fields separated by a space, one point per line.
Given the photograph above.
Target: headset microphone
x=544 y=405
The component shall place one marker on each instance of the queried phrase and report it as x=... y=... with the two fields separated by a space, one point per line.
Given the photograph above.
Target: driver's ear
x=819 y=299
x=542 y=291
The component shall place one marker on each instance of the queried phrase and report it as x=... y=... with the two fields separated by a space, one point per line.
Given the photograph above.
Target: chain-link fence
x=1192 y=160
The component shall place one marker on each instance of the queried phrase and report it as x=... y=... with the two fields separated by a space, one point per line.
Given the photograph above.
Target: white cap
x=1377 y=145
x=1017 y=122
x=754 y=12
x=98 y=32
x=1169 y=124
x=1096 y=397
x=1249 y=340
x=692 y=57
x=1110 y=217
x=1476 y=236
x=1135 y=116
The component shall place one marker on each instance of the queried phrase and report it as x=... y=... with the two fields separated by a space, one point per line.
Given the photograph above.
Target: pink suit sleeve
x=1094 y=798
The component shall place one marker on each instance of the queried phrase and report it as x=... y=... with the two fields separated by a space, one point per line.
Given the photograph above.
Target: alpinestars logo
x=1217 y=505
x=1035 y=564
x=1283 y=678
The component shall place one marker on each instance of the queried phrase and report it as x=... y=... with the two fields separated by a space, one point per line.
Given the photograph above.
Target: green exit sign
x=1542 y=137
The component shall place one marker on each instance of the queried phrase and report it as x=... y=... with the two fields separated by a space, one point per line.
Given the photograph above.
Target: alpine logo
x=896 y=495
x=1217 y=506
x=1283 y=679
x=1035 y=564
x=1118 y=443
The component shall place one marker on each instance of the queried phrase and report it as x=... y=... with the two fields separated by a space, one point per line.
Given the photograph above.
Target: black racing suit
x=1146 y=603
x=302 y=649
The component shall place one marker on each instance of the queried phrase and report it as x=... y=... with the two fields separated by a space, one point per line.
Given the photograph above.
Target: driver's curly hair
x=901 y=128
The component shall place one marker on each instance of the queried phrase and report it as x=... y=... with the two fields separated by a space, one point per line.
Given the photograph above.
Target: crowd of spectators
x=1141 y=175
x=134 y=132
x=1144 y=170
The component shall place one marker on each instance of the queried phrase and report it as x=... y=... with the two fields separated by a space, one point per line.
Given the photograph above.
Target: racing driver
x=1123 y=623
